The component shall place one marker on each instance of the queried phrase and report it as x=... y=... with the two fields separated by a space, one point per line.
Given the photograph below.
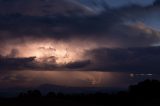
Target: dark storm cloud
x=96 y=28
x=120 y=26
x=59 y=27
x=15 y=63
x=78 y=64
x=157 y=3
x=22 y=64
x=130 y=60
x=137 y=12
x=25 y=64
x=41 y=7
x=108 y=26
x=135 y=60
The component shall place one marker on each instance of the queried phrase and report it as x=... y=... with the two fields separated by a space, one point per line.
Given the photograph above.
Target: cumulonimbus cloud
x=122 y=28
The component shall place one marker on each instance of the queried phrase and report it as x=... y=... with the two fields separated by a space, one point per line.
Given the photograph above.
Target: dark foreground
x=145 y=93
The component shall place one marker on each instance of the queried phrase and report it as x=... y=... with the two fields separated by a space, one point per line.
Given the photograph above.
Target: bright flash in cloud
x=52 y=52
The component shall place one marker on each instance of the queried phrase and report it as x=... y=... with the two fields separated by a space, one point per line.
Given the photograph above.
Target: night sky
x=79 y=43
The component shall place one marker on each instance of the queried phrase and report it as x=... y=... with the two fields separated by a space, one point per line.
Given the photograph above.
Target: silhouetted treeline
x=146 y=93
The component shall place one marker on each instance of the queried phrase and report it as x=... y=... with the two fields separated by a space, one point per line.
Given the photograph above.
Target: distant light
x=149 y=74
x=132 y=75
x=141 y=74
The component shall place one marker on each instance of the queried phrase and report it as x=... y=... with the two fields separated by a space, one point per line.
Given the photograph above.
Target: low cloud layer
x=136 y=60
x=131 y=60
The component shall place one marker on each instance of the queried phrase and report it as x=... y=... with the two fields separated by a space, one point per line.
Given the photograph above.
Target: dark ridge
x=146 y=93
